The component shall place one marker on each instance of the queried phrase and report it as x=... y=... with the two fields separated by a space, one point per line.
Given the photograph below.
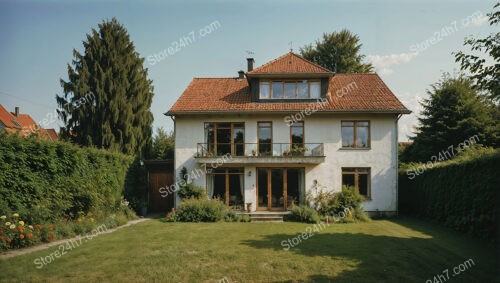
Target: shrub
x=303 y=213
x=244 y=218
x=192 y=191
x=201 y=210
x=60 y=185
x=348 y=201
x=460 y=193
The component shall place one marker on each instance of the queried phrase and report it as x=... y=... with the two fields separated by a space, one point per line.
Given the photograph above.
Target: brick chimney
x=241 y=75
x=16 y=111
x=250 y=62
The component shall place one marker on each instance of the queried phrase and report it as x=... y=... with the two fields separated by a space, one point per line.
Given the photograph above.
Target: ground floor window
x=227 y=184
x=359 y=178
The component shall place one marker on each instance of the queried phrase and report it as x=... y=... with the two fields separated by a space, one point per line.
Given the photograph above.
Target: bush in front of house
x=303 y=213
x=344 y=206
x=201 y=210
x=192 y=191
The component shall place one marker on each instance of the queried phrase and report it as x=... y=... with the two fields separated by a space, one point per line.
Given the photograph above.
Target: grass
x=402 y=250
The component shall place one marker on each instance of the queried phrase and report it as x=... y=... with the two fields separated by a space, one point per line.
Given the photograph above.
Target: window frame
x=354 y=127
x=283 y=82
x=356 y=172
x=232 y=144
x=303 y=132
x=258 y=134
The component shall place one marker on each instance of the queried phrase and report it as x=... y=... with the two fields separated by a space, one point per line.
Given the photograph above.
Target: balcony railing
x=260 y=149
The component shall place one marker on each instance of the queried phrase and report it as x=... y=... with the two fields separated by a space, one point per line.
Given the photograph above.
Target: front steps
x=267 y=216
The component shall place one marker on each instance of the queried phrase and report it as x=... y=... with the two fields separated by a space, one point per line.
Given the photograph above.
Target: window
x=302 y=89
x=277 y=88
x=224 y=138
x=265 y=136
x=265 y=90
x=359 y=178
x=290 y=88
x=315 y=89
x=227 y=184
x=355 y=134
x=297 y=134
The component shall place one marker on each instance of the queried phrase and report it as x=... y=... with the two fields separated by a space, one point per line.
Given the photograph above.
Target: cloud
x=480 y=21
x=383 y=63
x=407 y=123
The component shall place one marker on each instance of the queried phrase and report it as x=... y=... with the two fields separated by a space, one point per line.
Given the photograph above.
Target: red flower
x=1 y=237
x=9 y=240
x=21 y=236
x=37 y=226
x=50 y=227
x=51 y=236
x=29 y=236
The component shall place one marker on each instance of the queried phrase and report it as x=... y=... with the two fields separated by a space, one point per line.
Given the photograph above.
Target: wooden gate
x=161 y=175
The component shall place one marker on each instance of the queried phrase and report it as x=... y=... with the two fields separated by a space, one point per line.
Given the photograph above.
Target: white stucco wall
x=319 y=128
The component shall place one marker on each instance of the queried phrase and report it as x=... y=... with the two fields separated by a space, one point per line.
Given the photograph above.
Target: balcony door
x=265 y=136
x=225 y=138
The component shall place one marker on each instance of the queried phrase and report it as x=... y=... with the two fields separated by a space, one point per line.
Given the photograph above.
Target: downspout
x=397 y=164
x=175 y=175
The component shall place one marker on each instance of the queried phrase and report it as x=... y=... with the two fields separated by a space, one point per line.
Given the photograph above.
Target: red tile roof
x=347 y=93
x=6 y=118
x=289 y=63
x=23 y=125
x=52 y=134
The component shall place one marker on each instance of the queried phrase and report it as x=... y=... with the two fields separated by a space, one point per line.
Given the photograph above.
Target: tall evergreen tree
x=339 y=52
x=107 y=98
x=453 y=113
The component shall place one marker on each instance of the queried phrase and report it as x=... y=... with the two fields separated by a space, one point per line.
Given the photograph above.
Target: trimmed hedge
x=461 y=193
x=48 y=181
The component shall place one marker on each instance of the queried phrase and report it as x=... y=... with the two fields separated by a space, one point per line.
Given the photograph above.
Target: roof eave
x=202 y=112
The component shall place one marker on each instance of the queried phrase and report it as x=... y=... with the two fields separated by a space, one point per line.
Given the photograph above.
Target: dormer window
x=290 y=89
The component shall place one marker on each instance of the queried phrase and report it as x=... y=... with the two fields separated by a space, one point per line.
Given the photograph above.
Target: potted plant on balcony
x=297 y=150
x=254 y=153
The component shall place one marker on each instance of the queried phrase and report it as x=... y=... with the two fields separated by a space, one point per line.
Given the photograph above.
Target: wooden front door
x=160 y=177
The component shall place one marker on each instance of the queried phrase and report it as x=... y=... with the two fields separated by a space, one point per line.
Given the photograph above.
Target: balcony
x=263 y=153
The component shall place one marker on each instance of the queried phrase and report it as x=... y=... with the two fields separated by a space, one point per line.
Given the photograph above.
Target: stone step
x=266 y=219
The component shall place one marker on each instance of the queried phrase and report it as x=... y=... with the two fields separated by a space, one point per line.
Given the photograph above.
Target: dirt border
x=14 y=253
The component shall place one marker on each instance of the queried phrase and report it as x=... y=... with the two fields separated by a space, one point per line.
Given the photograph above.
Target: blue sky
x=37 y=39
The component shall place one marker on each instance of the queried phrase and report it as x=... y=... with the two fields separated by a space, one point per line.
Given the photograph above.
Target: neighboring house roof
x=52 y=134
x=17 y=123
x=347 y=93
x=289 y=63
x=7 y=119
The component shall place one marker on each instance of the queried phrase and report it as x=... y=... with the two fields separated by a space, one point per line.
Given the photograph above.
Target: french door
x=271 y=191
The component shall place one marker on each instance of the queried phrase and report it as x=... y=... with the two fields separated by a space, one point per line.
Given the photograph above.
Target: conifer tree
x=107 y=97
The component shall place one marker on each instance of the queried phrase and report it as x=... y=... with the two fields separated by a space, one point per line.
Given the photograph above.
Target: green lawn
x=403 y=250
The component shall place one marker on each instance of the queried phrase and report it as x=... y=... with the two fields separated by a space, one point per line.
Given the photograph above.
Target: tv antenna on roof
x=291 y=46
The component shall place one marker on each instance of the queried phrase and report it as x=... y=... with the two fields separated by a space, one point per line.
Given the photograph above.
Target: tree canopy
x=453 y=113
x=117 y=115
x=485 y=71
x=339 y=52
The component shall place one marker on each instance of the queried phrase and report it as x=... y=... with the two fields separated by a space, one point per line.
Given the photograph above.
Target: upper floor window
x=303 y=89
x=222 y=138
x=356 y=134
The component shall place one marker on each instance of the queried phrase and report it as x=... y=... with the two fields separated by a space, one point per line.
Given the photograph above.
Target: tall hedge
x=45 y=181
x=461 y=193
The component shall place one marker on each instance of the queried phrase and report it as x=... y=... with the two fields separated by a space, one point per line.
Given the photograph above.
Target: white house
x=276 y=132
